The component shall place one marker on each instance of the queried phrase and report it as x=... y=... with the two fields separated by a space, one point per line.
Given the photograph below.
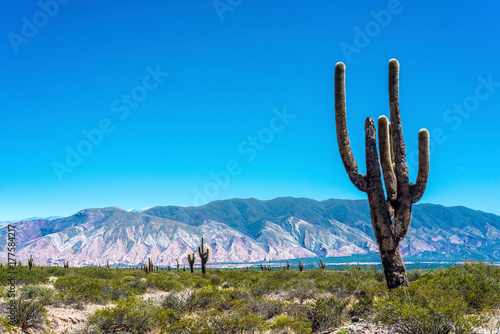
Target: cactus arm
x=344 y=144
x=417 y=189
x=402 y=207
x=385 y=158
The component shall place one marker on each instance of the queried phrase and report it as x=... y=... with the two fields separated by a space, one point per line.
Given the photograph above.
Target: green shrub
x=265 y=308
x=194 y=300
x=44 y=295
x=284 y=324
x=174 y=303
x=477 y=283
x=424 y=309
x=443 y=300
x=131 y=315
x=166 y=281
x=301 y=290
x=28 y=314
x=350 y=280
x=215 y=279
x=327 y=312
x=96 y=290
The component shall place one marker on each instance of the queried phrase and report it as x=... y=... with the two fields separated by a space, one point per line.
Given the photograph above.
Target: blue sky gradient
x=192 y=101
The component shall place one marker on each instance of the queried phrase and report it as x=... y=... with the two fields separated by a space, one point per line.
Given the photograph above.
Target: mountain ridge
x=251 y=230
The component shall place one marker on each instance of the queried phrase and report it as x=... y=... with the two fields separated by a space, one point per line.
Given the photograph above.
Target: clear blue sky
x=70 y=68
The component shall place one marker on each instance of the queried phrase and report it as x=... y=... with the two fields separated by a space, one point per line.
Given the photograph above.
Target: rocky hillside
x=249 y=230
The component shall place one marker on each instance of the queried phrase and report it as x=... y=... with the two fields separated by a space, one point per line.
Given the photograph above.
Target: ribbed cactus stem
x=301 y=266
x=417 y=190
x=391 y=214
x=204 y=255
x=350 y=164
x=191 y=262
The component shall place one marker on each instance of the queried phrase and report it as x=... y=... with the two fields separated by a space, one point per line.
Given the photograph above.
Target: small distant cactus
x=287 y=265
x=191 y=262
x=30 y=262
x=107 y=264
x=150 y=265
x=66 y=264
x=301 y=266
x=321 y=264
x=261 y=267
x=204 y=254
x=178 y=264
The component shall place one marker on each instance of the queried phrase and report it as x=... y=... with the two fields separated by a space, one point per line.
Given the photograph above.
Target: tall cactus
x=390 y=215
x=301 y=265
x=203 y=256
x=191 y=262
x=322 y=265
x=30 y=262
x=150 y=265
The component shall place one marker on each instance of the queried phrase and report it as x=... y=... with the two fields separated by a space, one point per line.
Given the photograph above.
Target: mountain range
x=250 y=230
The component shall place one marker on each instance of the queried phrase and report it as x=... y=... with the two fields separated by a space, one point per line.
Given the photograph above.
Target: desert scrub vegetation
x=37 y=275
x=28 y=314
x=446 y=300
x=98 y=290
x=130 y=315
